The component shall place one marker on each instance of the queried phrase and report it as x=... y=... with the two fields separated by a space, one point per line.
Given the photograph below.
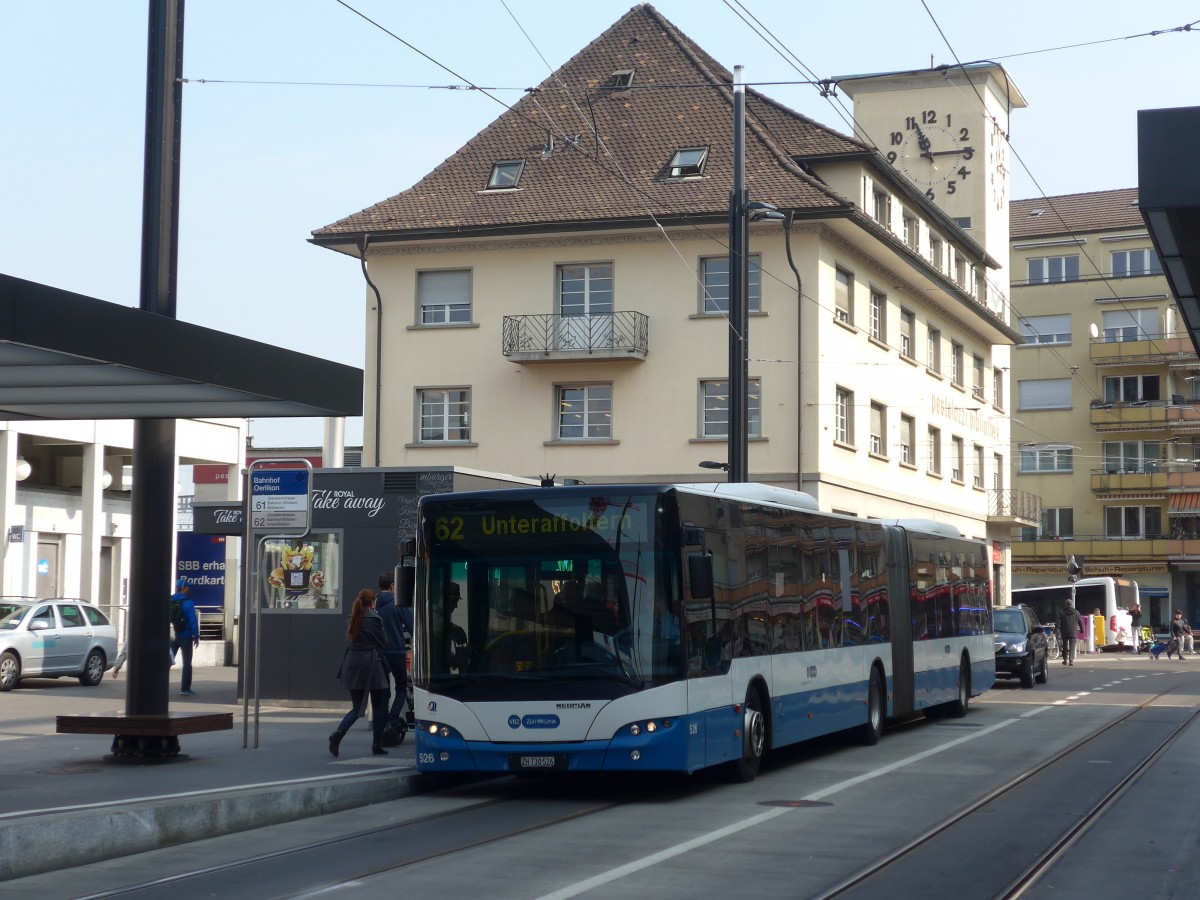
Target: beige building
x=553 y=298
x=1107 y=401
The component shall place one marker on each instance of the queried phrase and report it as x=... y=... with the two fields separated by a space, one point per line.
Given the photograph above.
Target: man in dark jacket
x=394 y=653
x=1070 y=623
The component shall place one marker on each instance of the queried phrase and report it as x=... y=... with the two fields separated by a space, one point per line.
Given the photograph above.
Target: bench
x=144 y=738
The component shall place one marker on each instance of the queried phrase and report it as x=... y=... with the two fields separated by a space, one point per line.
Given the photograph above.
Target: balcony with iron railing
x=618 y=336
x=1121 y=349
x=1145 y=415
x=1014 y=507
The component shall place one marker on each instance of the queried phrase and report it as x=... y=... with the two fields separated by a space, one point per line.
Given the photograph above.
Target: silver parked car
x=52 y=638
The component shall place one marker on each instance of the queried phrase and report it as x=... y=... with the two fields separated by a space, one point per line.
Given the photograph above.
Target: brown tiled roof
x=1072 y=214
x=680 y=98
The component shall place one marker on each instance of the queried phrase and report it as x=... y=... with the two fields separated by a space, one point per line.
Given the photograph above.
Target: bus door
x=900 y=592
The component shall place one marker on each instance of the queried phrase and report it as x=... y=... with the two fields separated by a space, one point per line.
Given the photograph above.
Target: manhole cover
x=794 y=804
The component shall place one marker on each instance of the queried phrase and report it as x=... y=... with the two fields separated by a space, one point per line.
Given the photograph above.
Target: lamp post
x=741 y=212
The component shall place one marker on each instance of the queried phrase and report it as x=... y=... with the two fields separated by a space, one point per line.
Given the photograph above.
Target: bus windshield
x=538 y=591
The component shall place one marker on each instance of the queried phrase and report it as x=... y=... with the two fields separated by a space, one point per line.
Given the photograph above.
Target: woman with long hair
x=362 y=671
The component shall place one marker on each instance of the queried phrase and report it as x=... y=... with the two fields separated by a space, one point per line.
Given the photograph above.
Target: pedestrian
x=362 y=672
x=1179 y=629
x=1070 y=623
x=1135 y=624
x=187 y=633
x=120 y=660
x=394 y=653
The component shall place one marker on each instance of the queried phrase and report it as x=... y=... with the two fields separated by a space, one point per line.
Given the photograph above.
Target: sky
x=297 y=113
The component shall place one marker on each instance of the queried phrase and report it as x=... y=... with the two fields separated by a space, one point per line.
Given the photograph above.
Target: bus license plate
x=543 y=763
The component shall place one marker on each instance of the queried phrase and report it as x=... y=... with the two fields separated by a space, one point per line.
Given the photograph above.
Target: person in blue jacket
x=187 y=637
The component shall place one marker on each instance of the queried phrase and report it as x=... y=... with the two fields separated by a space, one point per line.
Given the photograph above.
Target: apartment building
x=554 y=297
x=1106 y=401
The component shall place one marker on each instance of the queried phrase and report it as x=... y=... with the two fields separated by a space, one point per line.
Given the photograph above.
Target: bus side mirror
x=700 y=575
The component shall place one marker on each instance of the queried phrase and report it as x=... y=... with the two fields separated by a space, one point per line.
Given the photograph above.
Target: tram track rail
x=1043 y=861
x=395 y=831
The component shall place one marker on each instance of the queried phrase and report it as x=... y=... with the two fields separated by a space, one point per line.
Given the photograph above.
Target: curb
x=34 y=843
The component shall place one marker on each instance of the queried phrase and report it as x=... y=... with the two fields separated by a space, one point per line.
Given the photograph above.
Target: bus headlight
x=635 y=729
x=651 y=727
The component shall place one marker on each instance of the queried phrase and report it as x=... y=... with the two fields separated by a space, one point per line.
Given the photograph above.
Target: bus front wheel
x=754 y=739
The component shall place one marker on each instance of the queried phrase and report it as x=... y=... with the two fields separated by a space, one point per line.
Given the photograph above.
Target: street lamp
x=741 y=213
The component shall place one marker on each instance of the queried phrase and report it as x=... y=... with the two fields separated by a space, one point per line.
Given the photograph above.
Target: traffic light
x=1074 y=568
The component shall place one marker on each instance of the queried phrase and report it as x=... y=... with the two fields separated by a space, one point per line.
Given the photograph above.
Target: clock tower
x=946 y=131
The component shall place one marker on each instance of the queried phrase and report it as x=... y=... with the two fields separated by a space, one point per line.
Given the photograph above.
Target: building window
x=1044 y=393
x=1132 y=521
x=1131 y=388
x=878 y=429
x=908 y=333
x=936 y=252
x=933 y=349
x=960 y=269
x=1047 y=458
x=1130 y=263
x=1131 y=325
x=1046 y=269
x=1058 y=522
x=714 y=277
x=878 y=315
x=956 y=363
x=908 y=440
x=956 y=458
x=912 y=231
x=505 y=174
x=977 y=369
x=687 y=163
x=620 y=80
x=977 y=475
x=1132 y=457
x=844 y=417
x=998 y=388
x=882 y=204
x=585 y=412
x=445 y=415
x=843 y=297
x=714 y=408
x=585 y=290
x=935 y=451
x=1046 y=329
x=997 y=472
x=444 y=297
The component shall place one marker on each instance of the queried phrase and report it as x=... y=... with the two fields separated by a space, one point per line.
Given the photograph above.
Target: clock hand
x=922 y=140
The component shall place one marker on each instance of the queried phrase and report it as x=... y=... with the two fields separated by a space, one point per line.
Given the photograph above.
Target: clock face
x=932 y=152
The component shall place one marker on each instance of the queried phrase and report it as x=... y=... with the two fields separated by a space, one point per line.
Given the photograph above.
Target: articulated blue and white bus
x=677 y=627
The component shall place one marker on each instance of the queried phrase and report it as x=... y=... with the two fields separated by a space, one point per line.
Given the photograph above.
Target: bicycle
x=1053 y=647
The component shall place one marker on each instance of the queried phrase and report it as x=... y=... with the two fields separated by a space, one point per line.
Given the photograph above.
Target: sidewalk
x=61 y=800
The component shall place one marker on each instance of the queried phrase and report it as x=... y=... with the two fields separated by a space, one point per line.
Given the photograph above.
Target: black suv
x=1020 y=645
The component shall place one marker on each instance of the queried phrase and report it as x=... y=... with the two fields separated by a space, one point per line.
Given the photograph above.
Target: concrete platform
x=61 y=800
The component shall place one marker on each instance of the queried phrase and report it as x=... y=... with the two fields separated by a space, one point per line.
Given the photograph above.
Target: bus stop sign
x=279 y=499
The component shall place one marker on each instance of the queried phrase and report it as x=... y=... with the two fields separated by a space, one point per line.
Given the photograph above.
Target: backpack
x=178 y=618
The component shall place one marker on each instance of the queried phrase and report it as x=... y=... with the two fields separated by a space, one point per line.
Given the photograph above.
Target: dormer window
x=506 y=174
x=620 y=80
x=688 y=163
